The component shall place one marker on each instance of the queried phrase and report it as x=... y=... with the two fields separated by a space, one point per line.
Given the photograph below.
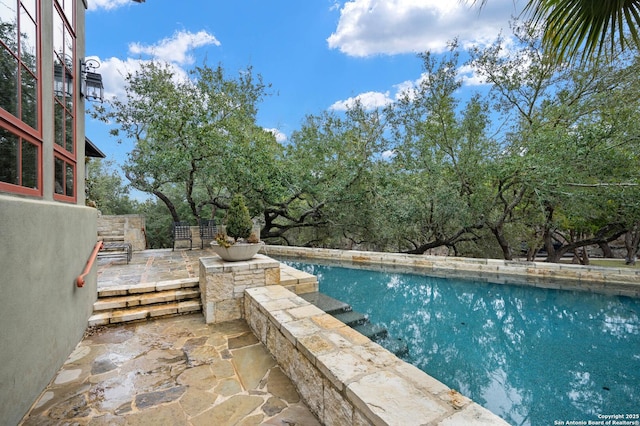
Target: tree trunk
x=507 y=253
x=548 y=241
x=583 y=259
x=606 y=250
x=167 y=202
x=631 y=242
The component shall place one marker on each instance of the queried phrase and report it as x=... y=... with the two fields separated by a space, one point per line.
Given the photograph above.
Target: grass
x=614 y=263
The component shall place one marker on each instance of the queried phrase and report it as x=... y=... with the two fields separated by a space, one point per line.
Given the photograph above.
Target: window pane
x=70 y=180
x=8 y=82
x=30 y=6
x=8 y=19
x=59 y=123
x=28 y=41
x=59 y=176
x=58 y=80
x=68 y=87
x=29 y=99
x=9 y=157
x=58 y=34
x=69 y=11
x=29 y=165
x=69 y=132
x=68 y=49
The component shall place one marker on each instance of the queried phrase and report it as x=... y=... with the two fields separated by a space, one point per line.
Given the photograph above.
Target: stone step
x=156 y=297
x=397 y=346
x=124 y=303
x=326 y=303
x=372 y=331
x=351 y=318
x=144 y=312
x=358 y=321
x=123 y=290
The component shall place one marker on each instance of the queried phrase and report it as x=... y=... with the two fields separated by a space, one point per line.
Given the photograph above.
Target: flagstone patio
x=172 y=371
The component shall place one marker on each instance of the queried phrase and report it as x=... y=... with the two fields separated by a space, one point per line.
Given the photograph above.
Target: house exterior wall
x=44 y=246
x=43 y=315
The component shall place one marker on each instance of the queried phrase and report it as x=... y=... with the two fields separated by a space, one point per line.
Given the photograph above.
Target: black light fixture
x=92 y=88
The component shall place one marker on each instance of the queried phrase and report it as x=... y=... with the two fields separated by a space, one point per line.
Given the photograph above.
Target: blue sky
x=317 y=54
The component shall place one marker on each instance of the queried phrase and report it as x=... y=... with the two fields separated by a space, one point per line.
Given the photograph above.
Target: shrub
x=239 y=222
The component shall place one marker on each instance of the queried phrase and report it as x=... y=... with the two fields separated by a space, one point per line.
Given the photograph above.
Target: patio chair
x=208 y=230
x=181 y=231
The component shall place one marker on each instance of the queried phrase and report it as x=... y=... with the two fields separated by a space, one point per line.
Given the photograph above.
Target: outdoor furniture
x=116 y=249
x=181 y=231
x=208 y=230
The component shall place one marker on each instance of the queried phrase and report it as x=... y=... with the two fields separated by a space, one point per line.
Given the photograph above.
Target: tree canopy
x=545 y=159
x=583 y=30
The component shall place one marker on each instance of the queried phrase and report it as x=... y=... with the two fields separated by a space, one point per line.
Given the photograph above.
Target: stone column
x=222 y=284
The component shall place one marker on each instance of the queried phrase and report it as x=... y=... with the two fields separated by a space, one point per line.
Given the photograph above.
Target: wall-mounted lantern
x=91 y=84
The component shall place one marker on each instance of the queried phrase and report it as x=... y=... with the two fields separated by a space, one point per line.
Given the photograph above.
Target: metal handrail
x=87 y=269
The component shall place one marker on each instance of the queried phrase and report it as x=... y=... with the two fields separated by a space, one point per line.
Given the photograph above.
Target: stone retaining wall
x=222 y=284
x=345 y=378
x=608 y=280
x=131 y=227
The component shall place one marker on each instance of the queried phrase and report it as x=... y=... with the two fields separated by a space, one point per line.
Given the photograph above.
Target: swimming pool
x=531 y=355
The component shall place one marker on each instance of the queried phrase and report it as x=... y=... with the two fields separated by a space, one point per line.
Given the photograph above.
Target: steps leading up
x=358 y=321
x=117 y=304
x=395 y=345
x=372 y=331
x=351 y=318
x=328 y=304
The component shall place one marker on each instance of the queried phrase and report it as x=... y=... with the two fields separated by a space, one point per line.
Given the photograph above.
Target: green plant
x=223 y=240
x=239 y=222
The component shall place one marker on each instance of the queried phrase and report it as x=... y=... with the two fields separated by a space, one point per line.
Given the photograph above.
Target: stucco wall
x=44 y=246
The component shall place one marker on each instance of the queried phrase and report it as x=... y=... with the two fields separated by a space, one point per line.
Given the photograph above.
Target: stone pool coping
x=596 y=279
x=345 y=378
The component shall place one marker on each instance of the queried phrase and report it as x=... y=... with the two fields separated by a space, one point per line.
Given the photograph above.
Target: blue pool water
x=533 y=356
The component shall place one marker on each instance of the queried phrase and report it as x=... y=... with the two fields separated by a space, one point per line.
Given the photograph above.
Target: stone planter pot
x=238 y=251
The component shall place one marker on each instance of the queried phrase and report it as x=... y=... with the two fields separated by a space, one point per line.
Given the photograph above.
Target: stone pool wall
x=343 y=377
x=608 y=280
x=222 y=284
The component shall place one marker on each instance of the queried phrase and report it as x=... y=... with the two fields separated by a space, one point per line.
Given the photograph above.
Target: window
x=65 y=177
x=20 y=112
x=64 y=100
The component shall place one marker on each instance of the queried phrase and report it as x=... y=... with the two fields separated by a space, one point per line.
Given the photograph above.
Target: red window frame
x=12 y=123
x=68 y=71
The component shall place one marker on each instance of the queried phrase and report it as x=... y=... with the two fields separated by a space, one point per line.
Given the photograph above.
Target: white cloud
x=369 y=101
x=107 y=4
x=174 y=51
x=370 y=27
x=280 y=137
x=388 y=154
x=175 y=48
x=470 y=77
x=372 y=100
x=114 y=71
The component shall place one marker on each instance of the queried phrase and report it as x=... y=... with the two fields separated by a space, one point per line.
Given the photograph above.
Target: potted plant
x=237 y=240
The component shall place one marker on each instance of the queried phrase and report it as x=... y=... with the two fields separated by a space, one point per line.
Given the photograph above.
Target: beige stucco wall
x=44 y=246
x=43 y=314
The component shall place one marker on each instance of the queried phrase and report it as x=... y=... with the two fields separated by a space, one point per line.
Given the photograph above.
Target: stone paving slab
x=151 y=270
x=173 y=371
